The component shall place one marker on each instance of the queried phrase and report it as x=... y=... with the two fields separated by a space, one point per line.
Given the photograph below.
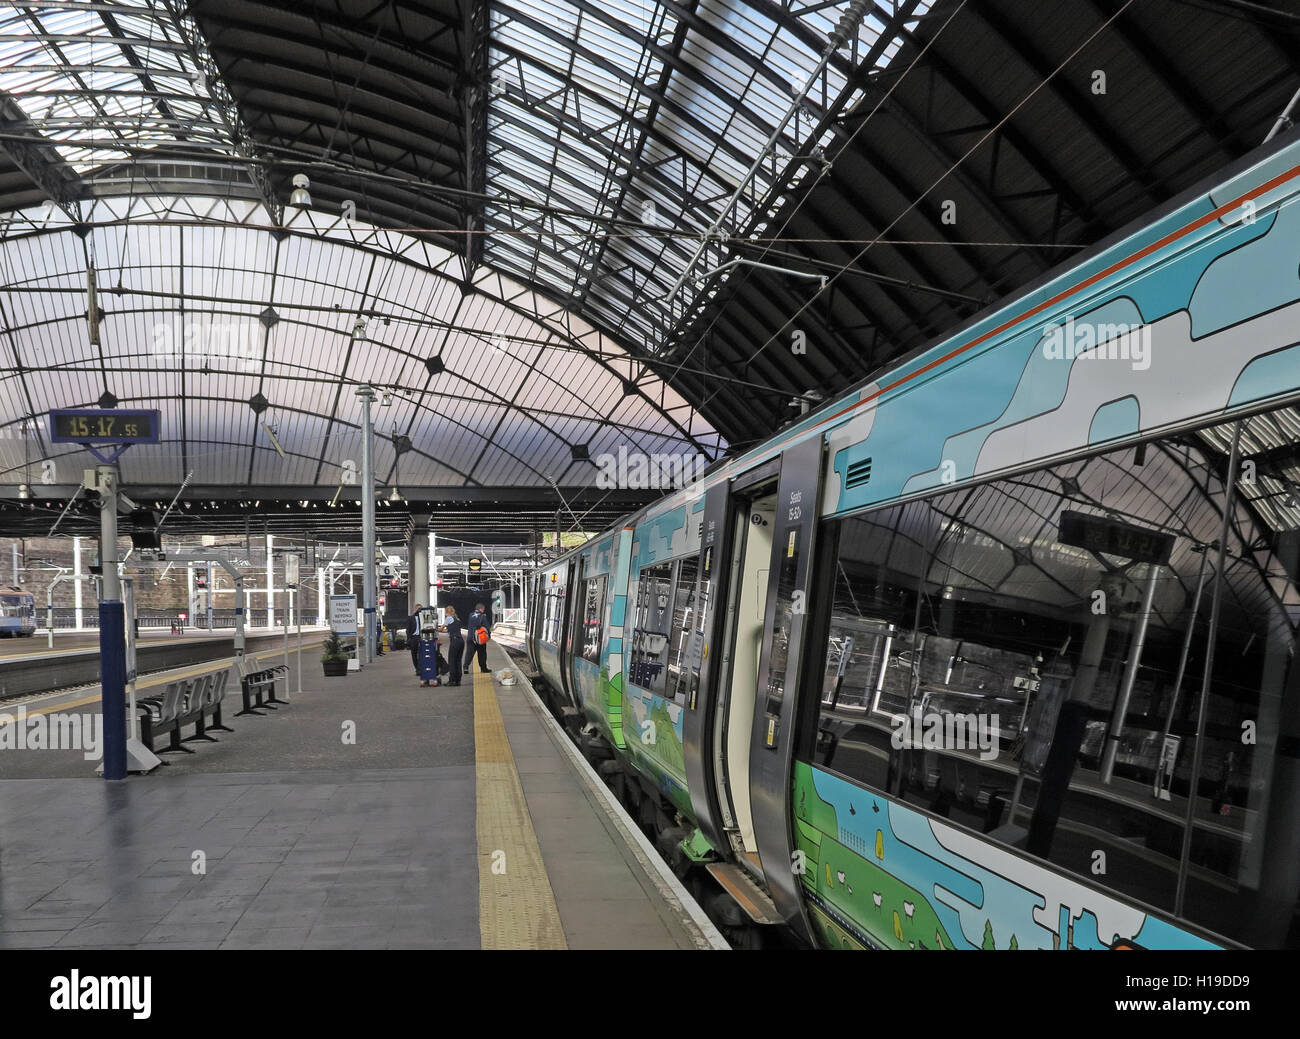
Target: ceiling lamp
x=301 y=197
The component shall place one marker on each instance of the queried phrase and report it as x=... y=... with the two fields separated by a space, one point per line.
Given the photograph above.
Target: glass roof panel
x=728 y=86
x=98 y=80
x=212 y=311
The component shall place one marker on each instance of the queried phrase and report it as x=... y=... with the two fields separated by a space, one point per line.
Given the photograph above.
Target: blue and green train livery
x=997 y=650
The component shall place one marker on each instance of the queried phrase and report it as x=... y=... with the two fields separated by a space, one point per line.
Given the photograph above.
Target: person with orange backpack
x=478 y=628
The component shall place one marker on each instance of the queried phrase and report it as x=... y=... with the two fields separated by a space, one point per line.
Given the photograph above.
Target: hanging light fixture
x=301 y=197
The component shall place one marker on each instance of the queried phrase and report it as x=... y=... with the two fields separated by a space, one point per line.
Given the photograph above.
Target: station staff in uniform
x=413 y=637
x=452 y=625
x=478 y=619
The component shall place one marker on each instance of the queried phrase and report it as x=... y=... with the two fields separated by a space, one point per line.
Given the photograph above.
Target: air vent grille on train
x=859 y=473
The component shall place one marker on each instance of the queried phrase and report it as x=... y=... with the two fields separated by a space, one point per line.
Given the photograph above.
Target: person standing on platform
x=455 y=644
x=413 y=637
x=478 y=630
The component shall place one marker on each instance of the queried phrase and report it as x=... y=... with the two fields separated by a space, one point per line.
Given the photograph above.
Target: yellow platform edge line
x=516 y=904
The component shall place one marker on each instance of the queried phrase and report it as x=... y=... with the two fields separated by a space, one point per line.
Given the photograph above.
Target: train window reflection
x=593 y=617
x=1026 y=658
x=649 y=657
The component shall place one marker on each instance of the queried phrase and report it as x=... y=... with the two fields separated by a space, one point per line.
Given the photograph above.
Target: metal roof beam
x=475 y=92
x=212 y=80
x=22 y=142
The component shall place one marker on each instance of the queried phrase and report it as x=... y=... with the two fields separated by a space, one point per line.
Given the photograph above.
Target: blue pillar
x=112 y=655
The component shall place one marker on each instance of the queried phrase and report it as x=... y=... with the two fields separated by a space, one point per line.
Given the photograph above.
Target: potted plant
x=334 y=659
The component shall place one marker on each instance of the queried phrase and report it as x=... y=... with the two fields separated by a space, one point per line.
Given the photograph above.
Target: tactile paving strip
x=516 y=905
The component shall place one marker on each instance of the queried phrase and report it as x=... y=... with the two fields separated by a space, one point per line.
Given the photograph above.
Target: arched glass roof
x=251 y=339
x=679 y=174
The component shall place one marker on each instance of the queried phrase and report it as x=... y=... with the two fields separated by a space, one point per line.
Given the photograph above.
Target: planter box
x=335 y=668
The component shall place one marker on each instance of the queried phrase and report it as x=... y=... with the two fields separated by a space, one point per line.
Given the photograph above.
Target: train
x=17 y=613
x=996 y=650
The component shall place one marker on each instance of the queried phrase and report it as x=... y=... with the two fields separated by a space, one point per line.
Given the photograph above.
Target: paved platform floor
x=368 y=813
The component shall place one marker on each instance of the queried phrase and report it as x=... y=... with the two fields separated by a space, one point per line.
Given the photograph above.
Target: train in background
x=17 y=613
x=998 y=649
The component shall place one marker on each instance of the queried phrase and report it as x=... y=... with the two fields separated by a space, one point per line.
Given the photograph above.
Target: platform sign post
x=114 y=430
x=298 y=618
x=292 y=566
x=112 y=631
x=365 y=642
x=239 y=616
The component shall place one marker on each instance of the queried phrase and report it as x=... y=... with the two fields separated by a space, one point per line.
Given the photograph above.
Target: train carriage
x=17 y=613
x=996 y=651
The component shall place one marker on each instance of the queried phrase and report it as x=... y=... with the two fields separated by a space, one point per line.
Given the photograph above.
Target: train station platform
x=369 y=812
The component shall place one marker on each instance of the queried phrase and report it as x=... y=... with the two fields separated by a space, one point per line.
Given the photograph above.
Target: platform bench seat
x=257 y=686
x=184 y=701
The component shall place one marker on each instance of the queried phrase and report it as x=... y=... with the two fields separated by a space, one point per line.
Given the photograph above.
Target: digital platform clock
x=92 y=425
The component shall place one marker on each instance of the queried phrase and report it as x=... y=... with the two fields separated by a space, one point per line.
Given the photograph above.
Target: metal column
x=417 y=577
x=112 y=631
x=241 y=611
x=367 y=641
x=432 y=589
x=270 y=585
x=79 y=621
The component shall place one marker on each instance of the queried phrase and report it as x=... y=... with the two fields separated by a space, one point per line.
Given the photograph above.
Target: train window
x=1241 y=872
x=870 y=648
x=554 y=616
x=1026 y=658
x=593 y=618
x=1037 y=593
x=686 y=636
x=783 y=618
x=648 y=663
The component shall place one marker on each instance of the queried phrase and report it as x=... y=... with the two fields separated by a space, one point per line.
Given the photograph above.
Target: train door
x=536 y=609
x=575 y=636
x=568 y=607
x=735 y=544
x=789 y=598
x=756 y=556
x=751 y=569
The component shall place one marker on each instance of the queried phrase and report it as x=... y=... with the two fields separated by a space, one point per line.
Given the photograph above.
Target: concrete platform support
x=417 y=569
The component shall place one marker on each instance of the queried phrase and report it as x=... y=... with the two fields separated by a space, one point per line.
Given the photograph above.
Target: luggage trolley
x=428 y=656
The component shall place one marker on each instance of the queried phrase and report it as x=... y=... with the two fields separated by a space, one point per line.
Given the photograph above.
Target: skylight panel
x=97 y=92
